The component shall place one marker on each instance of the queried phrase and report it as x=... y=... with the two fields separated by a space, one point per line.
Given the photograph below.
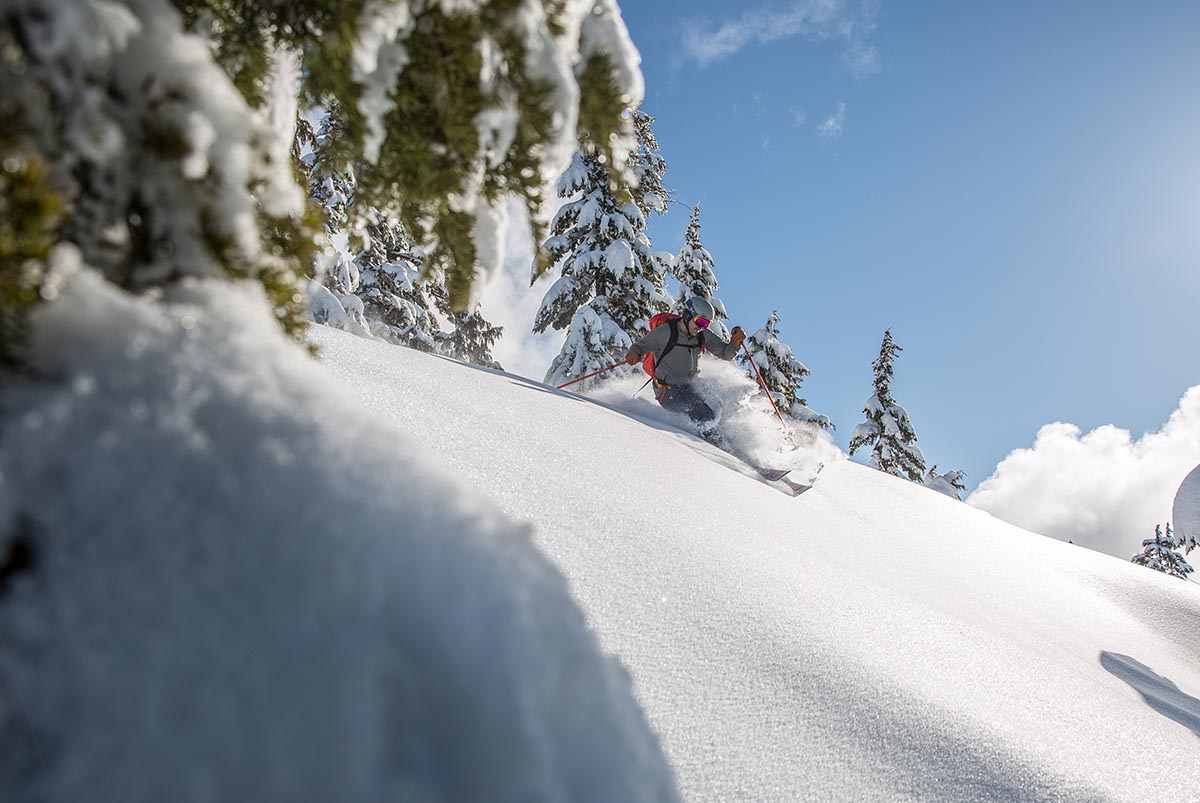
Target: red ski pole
x=762 y=383
x=593 y=373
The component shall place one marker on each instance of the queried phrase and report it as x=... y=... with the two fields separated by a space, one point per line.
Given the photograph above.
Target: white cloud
x=507 y=300
x=799 y=117
x=1103 y=490
x=815 y=20
x=832 y=128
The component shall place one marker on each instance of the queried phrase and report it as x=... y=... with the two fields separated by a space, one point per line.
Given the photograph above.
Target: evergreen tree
x=951 y=483
x=134 y=147
x=471 y=338
x=610 y=284
x=396 y=299
x=694 y=270
x=887 y=428
x=305 y=138
x=386 y=274
x=648 y=167
x=1161 y=554
x=331 y=182
x=781 y=372
x=445 y=110
x=398 y=294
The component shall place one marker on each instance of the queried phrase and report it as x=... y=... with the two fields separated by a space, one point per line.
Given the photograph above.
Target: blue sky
x=1013 y=189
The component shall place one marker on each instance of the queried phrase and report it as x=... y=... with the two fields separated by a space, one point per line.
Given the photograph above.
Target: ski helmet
x=697 y=306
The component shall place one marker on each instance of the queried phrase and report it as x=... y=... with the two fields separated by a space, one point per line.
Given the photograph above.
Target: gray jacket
x=681 y=363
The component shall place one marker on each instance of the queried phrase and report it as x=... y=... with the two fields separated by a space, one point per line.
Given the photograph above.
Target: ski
x=797 y=487
x=773 y=474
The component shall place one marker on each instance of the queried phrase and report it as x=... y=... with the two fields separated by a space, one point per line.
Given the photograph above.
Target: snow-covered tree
x=1161 y=554
x=887 y=428
x=610 y=284
x=122 y=119
x=331 y=183
x=124 y=132
x=395 y=290
x=781 y=372
x=384 y=278
x=694 y=269
x=471 y=338
x=445 y=111
x=398 y=301
x=951 y=483
x=648 y=167
x=304 y=140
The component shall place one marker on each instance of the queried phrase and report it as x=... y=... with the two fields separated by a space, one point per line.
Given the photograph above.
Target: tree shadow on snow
x=1159 y=693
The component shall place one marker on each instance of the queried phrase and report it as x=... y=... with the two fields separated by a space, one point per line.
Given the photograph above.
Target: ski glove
x=632 y=358
x=736 y=337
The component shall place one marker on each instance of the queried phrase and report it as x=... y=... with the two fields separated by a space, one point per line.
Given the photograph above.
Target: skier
x=676 y=346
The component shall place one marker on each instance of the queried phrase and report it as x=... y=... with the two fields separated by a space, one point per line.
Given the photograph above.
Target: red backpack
x=672 y=320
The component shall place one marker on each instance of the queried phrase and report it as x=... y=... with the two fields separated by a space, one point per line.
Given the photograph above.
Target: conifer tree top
x=883 y=368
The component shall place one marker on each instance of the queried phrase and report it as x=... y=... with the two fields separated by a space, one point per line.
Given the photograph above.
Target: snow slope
x=870 y=640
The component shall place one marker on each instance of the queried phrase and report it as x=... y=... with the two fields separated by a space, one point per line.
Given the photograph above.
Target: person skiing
x=676 y=345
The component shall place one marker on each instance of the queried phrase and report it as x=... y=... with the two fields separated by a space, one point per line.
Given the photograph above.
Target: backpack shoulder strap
x=672 y=339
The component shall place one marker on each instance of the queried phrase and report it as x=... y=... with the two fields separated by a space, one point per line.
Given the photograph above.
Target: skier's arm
x=653 y=341
x=719 y=348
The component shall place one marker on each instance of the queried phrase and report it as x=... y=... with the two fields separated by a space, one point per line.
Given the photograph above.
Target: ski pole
x=762 y=383
x=593 y=373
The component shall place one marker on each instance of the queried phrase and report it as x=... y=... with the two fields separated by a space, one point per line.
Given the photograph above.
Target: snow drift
x=243 y=588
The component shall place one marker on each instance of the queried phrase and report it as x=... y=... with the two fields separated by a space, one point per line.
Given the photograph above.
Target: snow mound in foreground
x=244 y=589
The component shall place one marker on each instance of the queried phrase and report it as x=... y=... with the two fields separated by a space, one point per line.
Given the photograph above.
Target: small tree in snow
x=694 y=270
x=395 y=292
x=396 y=297
x=951 y=483
x=611 y=284
x=471 y=338
x=887 y=428
x=781 y=372
x=1161 y=554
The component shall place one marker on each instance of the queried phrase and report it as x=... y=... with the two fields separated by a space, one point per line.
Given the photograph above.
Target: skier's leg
x=697 y=409
x=682 y=399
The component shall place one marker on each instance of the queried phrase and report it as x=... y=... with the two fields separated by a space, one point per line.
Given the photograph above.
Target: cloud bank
x=1102 y=490
x=815 y=20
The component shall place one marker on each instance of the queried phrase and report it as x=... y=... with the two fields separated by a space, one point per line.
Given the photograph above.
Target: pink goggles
x=701 y=321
